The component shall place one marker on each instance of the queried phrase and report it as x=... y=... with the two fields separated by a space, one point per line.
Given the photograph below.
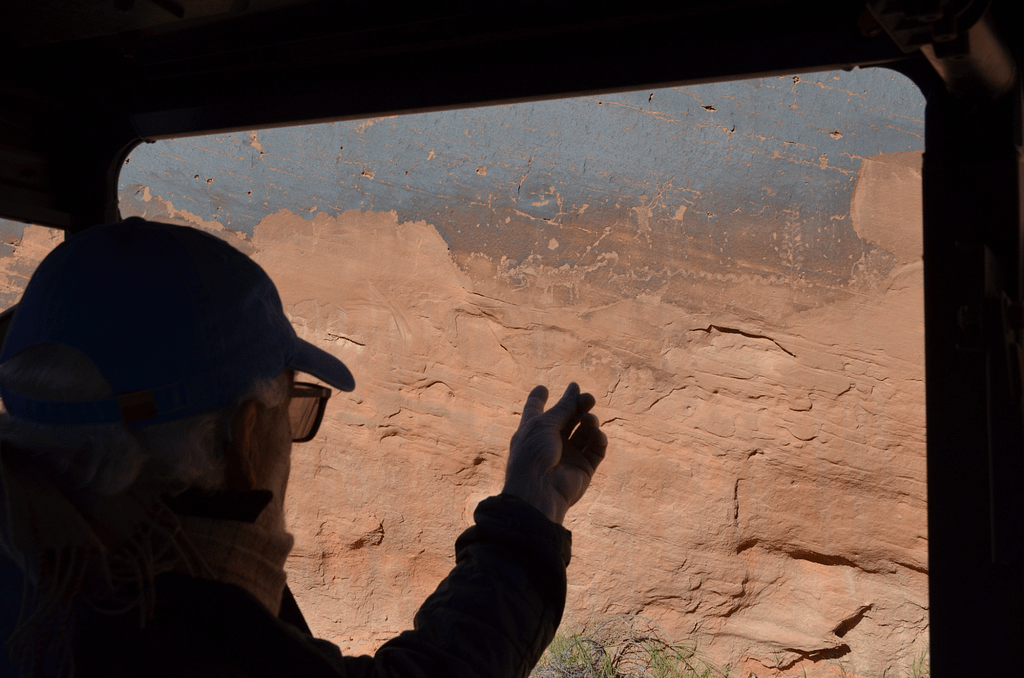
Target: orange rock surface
x=764 y=491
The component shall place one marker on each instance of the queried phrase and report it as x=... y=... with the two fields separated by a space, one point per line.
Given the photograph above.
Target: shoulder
x=199 y=628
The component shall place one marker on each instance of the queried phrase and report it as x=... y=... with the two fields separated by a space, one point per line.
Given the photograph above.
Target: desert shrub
x=629 y=646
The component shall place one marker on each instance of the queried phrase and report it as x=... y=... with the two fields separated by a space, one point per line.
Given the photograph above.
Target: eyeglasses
x=306 y=410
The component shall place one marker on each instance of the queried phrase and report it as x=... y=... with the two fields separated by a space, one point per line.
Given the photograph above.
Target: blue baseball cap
x=177 y=320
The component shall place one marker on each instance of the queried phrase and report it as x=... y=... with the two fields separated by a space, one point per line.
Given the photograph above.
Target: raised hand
x=553 y=454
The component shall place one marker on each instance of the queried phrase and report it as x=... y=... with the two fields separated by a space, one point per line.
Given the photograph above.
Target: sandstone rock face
x=761 y=386
x=24 y=250
x=764 y=489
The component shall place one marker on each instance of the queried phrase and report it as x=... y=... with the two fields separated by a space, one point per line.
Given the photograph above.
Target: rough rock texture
x=22 y=249
x=759 y=373
x=764 y=491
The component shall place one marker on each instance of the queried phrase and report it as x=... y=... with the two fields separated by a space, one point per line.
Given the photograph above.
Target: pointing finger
x=534 y=405
x=566 y=411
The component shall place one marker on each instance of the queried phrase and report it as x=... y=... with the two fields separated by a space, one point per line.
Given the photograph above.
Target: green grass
x=632 y=646
x=629 y=646
x=919 y=667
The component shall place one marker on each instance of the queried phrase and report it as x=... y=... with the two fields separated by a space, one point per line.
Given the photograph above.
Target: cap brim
x=322 y=365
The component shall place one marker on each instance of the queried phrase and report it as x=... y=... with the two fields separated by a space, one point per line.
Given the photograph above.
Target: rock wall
x=747 y=309
x=764 y=490
x=765 y=485
x=22 y=247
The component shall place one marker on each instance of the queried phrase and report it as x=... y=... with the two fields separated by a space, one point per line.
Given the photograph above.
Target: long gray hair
x=77 y=478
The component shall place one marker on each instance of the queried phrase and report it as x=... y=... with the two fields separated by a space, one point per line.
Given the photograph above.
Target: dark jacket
x=492 y=616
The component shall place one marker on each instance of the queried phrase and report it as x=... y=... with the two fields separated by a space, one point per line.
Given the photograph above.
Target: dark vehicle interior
x=85 y=81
